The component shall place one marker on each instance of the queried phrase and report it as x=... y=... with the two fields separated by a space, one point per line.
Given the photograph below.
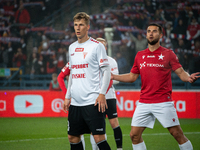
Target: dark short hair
x=155 y=24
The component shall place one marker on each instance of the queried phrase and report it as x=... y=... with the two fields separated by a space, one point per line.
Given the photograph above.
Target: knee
x=177 y=134
x=135 y=137
x=99 y=138
x=73 y=139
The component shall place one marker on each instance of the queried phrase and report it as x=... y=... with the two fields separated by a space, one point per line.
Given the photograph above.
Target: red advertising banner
x=45 y=103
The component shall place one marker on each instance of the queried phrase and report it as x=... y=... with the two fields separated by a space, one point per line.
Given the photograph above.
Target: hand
x=66 y=105
x=101 y=100
x=193 y=77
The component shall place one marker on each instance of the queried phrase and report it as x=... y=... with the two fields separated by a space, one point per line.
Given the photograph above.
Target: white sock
x=93 y=143
x=140 y=146
x=83 y=141
x=106 y=137
x=186 y=146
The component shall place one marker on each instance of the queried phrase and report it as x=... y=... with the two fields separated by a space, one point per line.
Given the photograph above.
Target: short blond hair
x=82 y=15
x=101 y=39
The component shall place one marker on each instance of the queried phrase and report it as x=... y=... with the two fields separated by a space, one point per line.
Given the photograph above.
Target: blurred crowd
x=128 y=18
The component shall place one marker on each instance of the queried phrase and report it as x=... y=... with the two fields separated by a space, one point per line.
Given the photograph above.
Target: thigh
x=111 y=112
x=166 y=114
x=76 y=123
x=94 y=119
x=142 y=116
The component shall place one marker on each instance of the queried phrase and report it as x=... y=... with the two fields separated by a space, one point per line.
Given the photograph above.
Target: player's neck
x=84 y=39
x=154 y=47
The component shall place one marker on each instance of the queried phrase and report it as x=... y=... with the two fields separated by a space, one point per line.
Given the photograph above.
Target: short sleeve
x=135 y=68
x=101 y=55
x=174 y=62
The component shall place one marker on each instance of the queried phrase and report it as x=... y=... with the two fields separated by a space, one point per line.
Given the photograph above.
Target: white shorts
x=146 y=114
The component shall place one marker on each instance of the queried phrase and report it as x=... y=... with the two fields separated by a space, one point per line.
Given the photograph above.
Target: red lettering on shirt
x=112 y=69
x=103 y=60
x=79 y=66
x=77 y=76
x=79 y=49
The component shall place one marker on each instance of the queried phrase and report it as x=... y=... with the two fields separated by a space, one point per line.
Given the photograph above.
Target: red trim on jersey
x=110 y=84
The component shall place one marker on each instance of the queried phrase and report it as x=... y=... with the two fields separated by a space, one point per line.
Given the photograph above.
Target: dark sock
x=76 y=146
x=118 y=136
x=103 y=145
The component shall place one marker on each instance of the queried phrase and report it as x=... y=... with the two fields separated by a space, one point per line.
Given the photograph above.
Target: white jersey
x=85 y=60
x=114 y=70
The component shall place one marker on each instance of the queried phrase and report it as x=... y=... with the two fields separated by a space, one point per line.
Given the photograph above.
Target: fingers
x=103 y=108
x=65 y=108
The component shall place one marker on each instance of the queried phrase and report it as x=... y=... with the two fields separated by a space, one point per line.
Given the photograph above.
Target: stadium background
x=44 y=34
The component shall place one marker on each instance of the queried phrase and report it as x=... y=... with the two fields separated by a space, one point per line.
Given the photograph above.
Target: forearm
x=106 y=79
x=129 y=77
x=182 y=74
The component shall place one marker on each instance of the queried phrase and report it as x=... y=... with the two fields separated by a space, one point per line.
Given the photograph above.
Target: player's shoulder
x=166 y=50
x=93 y=41
x=142 y=52
x=111 y=59
x=73 y=44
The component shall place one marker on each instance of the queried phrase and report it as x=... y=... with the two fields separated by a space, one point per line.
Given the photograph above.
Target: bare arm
x=185 y=77
x=129 y=77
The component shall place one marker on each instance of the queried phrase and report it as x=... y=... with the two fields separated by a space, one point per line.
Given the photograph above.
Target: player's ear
x=161 y=35
x=88 y=27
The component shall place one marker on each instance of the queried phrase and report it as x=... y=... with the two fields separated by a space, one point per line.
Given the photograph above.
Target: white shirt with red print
x=85 y=60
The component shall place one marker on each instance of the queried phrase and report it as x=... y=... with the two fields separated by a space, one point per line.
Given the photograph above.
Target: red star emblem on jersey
x=173 y=119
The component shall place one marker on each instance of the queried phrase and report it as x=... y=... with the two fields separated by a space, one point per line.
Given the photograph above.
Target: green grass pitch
x=51 y=134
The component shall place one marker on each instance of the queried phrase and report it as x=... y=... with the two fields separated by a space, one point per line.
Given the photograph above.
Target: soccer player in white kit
x=111 y=112
x=88 y=82
x=154 y=65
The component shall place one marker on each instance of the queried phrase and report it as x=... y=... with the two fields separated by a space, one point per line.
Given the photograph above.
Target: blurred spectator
x=149 y=7
x=3 y=57
x=54 y=85
x=22 y=45
x=194 y=62
x=183 y=57
x=22 y=16
x=41 y=65
x=176 y=19
x=8 y=6
x=168 y=29
x=62 y=60
x=140 y=42
x=122 y=63
x=126 y=38
x=34 y=67
x=19 y=58
x=193 y=30
x=189 y=17
x=10 y=51
x=181 y=28
x=51 y=64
